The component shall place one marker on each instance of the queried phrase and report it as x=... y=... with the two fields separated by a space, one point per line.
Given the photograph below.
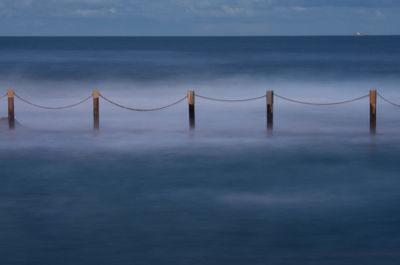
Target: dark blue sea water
x=146 y=190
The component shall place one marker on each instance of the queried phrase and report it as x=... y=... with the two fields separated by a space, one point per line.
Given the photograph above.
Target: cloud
x=231 y=10
x=361 y=11
x=271 y=199
x=95 y=12
x=371 y=14
x=299 y=199
x=88 y=12
x=335 y=3
x=300 y=8
x=379 y=15
x=235 y=28
x=185 y=8
x=256 y=17
x=24 y=3
x=87 y=2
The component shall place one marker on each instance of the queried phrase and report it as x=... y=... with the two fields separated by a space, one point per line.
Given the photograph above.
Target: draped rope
x=53 y=108
x=229 y=100
x=388 y=101
x=139 y=109
x=320 y=104
x=202 y=97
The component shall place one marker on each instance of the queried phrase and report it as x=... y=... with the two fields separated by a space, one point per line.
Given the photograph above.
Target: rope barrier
x=143 y=110
x=229 y=100
x=53 y=108
x=388 y=101
x=200 y=96
x=321 y=104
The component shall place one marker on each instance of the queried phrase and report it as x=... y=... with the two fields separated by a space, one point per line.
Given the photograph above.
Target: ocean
x=144 y=189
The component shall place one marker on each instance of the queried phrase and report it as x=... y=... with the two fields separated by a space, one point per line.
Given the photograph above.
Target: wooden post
x=191 y=110
x=11 y=117
x=96 y=113
x=270 y=110
x=372 y=111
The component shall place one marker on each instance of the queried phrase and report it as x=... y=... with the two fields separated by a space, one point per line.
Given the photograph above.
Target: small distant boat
x=359 y=34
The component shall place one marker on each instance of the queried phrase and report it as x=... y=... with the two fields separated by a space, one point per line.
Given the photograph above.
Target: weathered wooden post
x=96 y=113
x=11 y=117
x=191 y=110
x=372 y=111
x=270 y=110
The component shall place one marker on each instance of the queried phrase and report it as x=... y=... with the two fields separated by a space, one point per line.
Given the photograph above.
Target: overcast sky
x=202 y=17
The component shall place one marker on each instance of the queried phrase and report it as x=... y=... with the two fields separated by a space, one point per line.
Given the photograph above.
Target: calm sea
x=146 y=190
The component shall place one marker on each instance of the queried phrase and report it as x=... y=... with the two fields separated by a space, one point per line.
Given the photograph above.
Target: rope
x=3 y=96
x=229 y=100
x=53 y=108
x=137 y=109
x=321 y=104
x=200 y=96
x=388 y=101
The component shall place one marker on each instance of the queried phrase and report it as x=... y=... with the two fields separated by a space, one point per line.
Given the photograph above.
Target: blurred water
x=146 y=190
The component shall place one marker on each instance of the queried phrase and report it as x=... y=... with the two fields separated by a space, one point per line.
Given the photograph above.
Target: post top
x=372 y=97
x=10 y=93
x=190 y=97
x=270 y=97
x=96 y=93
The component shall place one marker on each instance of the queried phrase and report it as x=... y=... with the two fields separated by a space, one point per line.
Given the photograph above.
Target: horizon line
x=185 y=36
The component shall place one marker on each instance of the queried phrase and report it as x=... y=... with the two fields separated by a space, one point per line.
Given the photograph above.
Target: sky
x=202 y=17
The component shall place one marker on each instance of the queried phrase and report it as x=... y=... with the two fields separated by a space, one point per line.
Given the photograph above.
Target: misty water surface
x=146 y=190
